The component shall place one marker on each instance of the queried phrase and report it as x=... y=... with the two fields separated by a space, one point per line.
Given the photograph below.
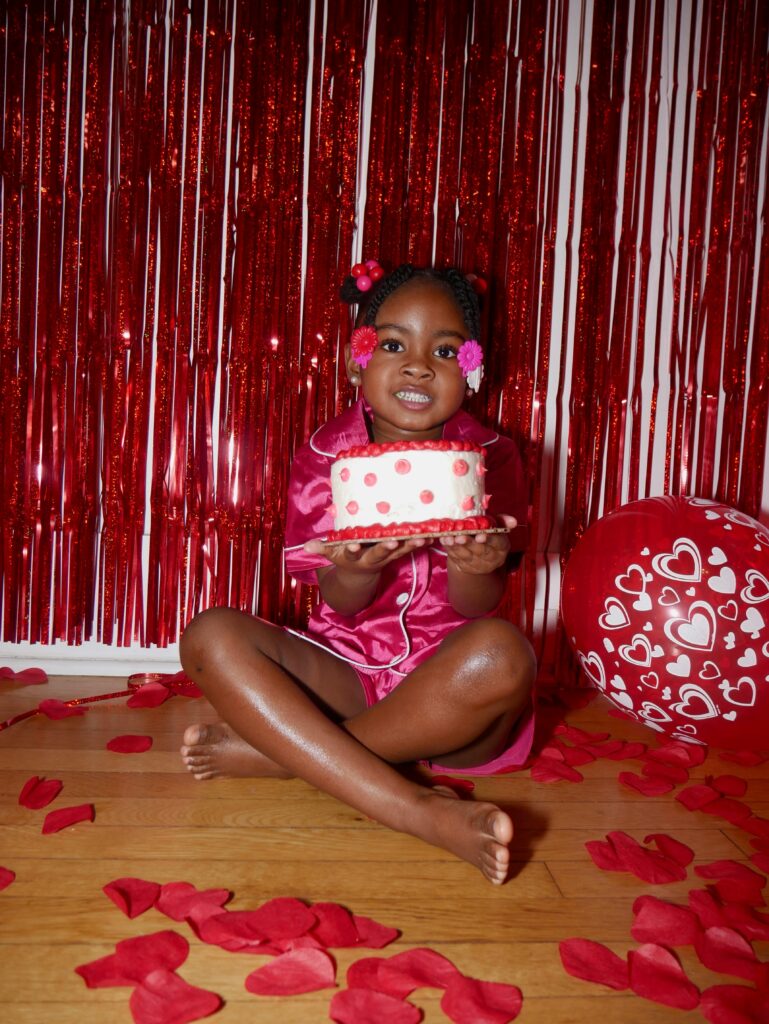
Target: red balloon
x=666 y=604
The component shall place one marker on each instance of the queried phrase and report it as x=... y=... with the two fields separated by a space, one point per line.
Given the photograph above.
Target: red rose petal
x=364 y=973
x=135 y=958
x=129 y=744
x=729 y=869
x=55 y=821
x=151 y=695
x=229 y=929
x=725 y=950
x=365 y=1006
x=37 y=792
x=335 y=926
x=694 y=798
x=748 y=758
x=656 y=974
x=460 y=786
x=756 y=826
x=672 y=848
x=26 y=676
x=731 y=810
x=6 y=877
x=674 y=773
x=603 y=855
x=165 y=998
x=674 y=752
x=416 y=968
x=132 y=895
x=590 y=961
x=303 y=970
x=372 y=934
x=708 y=910
x=56 y=709
x=178 y=900
x=728 y=785
x=734 y=1004
x=548 y=769
x=469 y=1001
x=645 y=786
x=626 y=751
x=580 y=736
x=664 y=923
x=748 y=922
x=761 y=860
x=284 y=918
x=577 y=756
x=648 y=865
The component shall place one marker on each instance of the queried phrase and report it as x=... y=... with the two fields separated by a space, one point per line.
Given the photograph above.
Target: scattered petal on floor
x=728 y=785
x=694 y=798
x=656 y=974
x=335 y=927
x=163 y=997
x=748 y=758
x=303 y=970
x=6 y=877
x=129 y=744
x=365 y=973
x=549 y=769
x=25 y=676
x=591 y=961
x=726 y=951
x=55 y=821
x=365 y=1006
x=284 y=918
x=666 y=924
x=672 y=848
x=132 y=895
x=151 y=695
x=646 y=786
x=372 y=934
x=416 y=968
x=39 y=792
x=734 y=1004
x=135 y=958
x=56 y=709
x=469 y=1001
x=178 y=899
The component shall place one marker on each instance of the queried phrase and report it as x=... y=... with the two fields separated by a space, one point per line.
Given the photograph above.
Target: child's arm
x=476 y=570
x=350 y=584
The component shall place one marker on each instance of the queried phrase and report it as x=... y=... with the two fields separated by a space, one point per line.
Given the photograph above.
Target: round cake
x=406 y=489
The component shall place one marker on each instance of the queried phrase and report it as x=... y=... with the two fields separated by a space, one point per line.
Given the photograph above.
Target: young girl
x=402 y=660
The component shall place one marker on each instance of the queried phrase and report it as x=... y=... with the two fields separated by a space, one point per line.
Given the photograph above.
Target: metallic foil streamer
x=180 y=204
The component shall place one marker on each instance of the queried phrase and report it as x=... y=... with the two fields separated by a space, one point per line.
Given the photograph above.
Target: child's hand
x=479 y=553
x=364 y=558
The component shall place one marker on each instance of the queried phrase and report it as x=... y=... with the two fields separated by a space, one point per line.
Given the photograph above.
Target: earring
x=355 y=381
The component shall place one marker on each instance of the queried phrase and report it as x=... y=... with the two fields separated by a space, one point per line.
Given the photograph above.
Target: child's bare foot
x=216 y=752
x=479 y=833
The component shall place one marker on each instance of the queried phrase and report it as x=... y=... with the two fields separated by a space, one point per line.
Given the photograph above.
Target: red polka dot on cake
x=403 y=466
x=383 y=507
x=344 y=474
x=460 y=467
x=467 y=504
x=426 y=497
x=352 y=507
x=369 y=479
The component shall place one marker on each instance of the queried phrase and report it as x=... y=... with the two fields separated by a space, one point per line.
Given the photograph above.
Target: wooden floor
x=267 y=838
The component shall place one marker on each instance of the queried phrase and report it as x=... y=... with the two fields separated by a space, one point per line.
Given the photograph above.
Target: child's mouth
x=413 y=399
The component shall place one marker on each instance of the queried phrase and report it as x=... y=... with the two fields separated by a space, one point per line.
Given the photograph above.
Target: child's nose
x=417 y=368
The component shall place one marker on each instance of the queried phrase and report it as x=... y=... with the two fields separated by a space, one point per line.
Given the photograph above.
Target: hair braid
x=452 y=279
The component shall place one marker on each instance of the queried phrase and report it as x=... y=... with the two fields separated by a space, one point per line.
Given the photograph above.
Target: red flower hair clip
x=362 y=343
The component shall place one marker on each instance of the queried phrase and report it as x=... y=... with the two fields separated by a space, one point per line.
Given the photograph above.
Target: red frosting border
x=372 y=450
x=473 y=524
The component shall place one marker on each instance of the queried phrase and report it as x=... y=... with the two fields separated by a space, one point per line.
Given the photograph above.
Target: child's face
x=413 y=382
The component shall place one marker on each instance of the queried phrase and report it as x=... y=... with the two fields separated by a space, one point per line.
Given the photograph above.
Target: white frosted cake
x=408 y=488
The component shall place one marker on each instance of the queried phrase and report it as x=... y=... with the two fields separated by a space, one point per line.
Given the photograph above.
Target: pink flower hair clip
x=367 y=274
x=362 y=343
x=470 y=359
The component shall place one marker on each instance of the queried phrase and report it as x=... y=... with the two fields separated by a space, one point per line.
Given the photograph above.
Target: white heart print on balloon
x=666 y=603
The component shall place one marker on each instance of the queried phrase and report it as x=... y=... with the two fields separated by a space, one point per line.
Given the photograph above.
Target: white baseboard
x=89 y=658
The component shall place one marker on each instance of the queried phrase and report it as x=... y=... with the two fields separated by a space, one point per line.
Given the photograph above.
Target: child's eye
x=391 y=345
x=446 y=352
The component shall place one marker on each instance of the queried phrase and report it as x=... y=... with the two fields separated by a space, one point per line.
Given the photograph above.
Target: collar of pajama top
x=411 y=613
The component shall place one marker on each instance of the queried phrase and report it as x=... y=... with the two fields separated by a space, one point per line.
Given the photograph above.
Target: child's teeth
x=409 y=396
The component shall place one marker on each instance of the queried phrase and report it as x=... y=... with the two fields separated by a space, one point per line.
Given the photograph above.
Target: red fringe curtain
x=184 y=187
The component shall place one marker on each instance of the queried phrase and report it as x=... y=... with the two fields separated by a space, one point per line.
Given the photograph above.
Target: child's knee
x=511 y=667
x=204 y=634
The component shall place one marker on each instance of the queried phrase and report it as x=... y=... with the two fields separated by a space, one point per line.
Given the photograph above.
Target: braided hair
x=451 y=279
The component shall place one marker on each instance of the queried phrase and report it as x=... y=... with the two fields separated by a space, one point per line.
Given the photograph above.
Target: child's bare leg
x=273 y=714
